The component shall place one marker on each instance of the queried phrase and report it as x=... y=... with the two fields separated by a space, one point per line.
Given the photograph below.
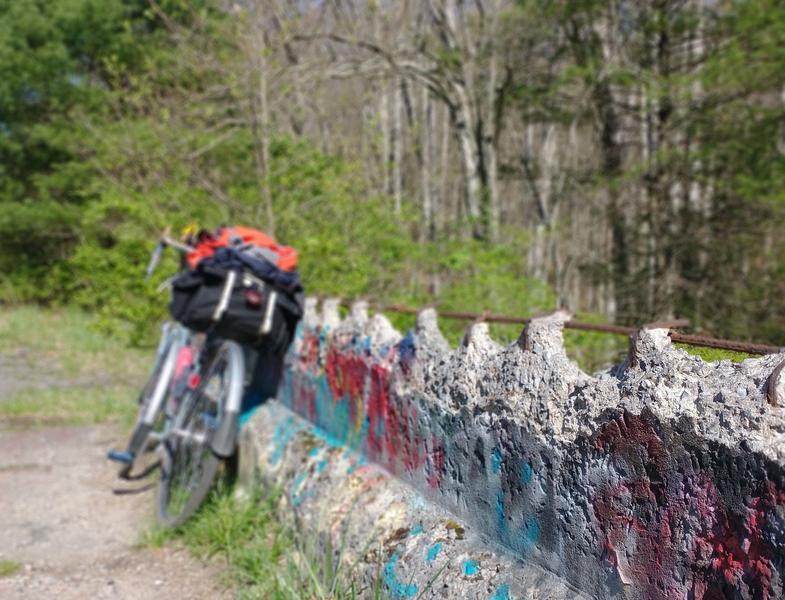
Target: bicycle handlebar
x=167 y=241
x=163 y=242
x=155 y=258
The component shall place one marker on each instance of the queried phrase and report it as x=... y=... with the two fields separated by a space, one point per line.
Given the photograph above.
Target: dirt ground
x=72 y=537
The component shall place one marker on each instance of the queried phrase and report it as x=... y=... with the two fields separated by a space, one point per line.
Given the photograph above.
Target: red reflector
x=253 y=298
x=194 y=380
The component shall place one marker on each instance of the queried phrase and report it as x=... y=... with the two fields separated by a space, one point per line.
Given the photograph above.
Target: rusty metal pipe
x=692 y=340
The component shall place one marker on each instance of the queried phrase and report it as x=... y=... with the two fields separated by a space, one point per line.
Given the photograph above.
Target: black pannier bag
x=235 y=305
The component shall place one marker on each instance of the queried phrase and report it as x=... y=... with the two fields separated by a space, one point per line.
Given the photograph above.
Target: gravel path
x=73 y=537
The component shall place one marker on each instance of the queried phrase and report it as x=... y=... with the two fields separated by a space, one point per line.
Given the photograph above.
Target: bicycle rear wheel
x=188 y=465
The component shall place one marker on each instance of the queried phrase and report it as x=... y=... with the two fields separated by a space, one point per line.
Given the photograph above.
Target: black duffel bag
x=235 y=305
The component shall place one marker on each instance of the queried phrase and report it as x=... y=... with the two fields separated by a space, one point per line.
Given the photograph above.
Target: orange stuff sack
x=238 y=237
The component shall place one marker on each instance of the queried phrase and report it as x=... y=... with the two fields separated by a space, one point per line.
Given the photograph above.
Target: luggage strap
x=220 y=309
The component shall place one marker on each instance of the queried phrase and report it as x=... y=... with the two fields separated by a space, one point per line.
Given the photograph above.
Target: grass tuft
x=266 y=558
x=9 y=568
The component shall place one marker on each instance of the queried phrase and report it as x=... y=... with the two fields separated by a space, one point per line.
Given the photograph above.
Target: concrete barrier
x=507 y=472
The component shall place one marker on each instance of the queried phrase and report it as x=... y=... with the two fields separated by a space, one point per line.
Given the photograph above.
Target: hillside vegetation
x=623 y=159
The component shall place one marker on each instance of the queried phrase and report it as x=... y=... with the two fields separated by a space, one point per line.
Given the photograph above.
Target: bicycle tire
x=188 y=465
x=156 y=392
x=161 y=356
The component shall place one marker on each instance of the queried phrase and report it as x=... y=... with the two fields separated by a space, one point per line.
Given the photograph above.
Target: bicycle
x=189 y=412
x=172 y=351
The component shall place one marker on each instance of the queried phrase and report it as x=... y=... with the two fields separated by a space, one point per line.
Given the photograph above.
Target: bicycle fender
x=225 y=437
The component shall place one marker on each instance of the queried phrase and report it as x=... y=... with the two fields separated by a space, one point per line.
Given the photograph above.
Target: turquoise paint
x=416 y=530
x=396 y=587
x=433 y=552
x=471 y=568
x=330 y=440
x=246 y=415
x=496 y=460
x=501 y=519
x=341 y=421
x=502 y=593
x=321 y=466
x=284 y=432
x=526 y=473
x=313 y=452
x=297 y=498
x=531 y=531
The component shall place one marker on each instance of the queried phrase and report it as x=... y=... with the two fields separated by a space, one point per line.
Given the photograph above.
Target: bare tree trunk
x=384 y=125
x=428 y=231
x=489 y=136
x=444 y=171
x=397 y=147
x=261 y=125
x=471 y=163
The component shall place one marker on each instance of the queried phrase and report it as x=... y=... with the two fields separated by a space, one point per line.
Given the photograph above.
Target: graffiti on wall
x=639 y=508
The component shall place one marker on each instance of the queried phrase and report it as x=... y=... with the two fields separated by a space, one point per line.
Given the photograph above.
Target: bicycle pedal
x=122 y=457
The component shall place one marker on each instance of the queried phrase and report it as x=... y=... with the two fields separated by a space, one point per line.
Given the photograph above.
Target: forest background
x=622 y=159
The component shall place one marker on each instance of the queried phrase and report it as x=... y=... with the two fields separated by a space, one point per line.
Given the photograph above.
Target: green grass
x=76 y=375
x=9 y=568
x=66 y=342
x=266 y=558
x=715 y=354
x=70 y=406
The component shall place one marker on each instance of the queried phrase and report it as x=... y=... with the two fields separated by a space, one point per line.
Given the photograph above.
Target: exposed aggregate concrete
x=659 y=478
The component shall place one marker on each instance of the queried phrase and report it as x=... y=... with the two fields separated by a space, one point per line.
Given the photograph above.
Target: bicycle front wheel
x=150 y=421
x=188 y=465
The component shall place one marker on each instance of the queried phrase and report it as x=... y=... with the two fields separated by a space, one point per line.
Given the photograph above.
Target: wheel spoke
x=189 y=463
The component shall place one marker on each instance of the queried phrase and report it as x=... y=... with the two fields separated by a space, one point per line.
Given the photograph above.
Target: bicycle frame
x=224 y=439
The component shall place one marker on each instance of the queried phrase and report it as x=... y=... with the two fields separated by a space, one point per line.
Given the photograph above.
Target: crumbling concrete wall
x=661 y=478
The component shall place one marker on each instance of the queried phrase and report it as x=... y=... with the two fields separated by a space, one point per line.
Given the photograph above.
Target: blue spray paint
x=326 y=437
x=433 y=552
x=531 y=532
x=313 y=452
x=471 y=568
x=247 y=413
x=526 y=473
x=397 y=588
x=501 y=519
x=502 y=593
x=416 y=530
x=341 y=420
x=321 y=466
x=496 y=460
x=407 y=349
x=284 y=432
x=297 y=498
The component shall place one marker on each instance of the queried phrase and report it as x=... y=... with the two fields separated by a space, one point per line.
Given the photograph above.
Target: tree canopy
x=619 y=158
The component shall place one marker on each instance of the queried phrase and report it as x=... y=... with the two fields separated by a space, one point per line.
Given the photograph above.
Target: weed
x=9 y=568
x=266 y=558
